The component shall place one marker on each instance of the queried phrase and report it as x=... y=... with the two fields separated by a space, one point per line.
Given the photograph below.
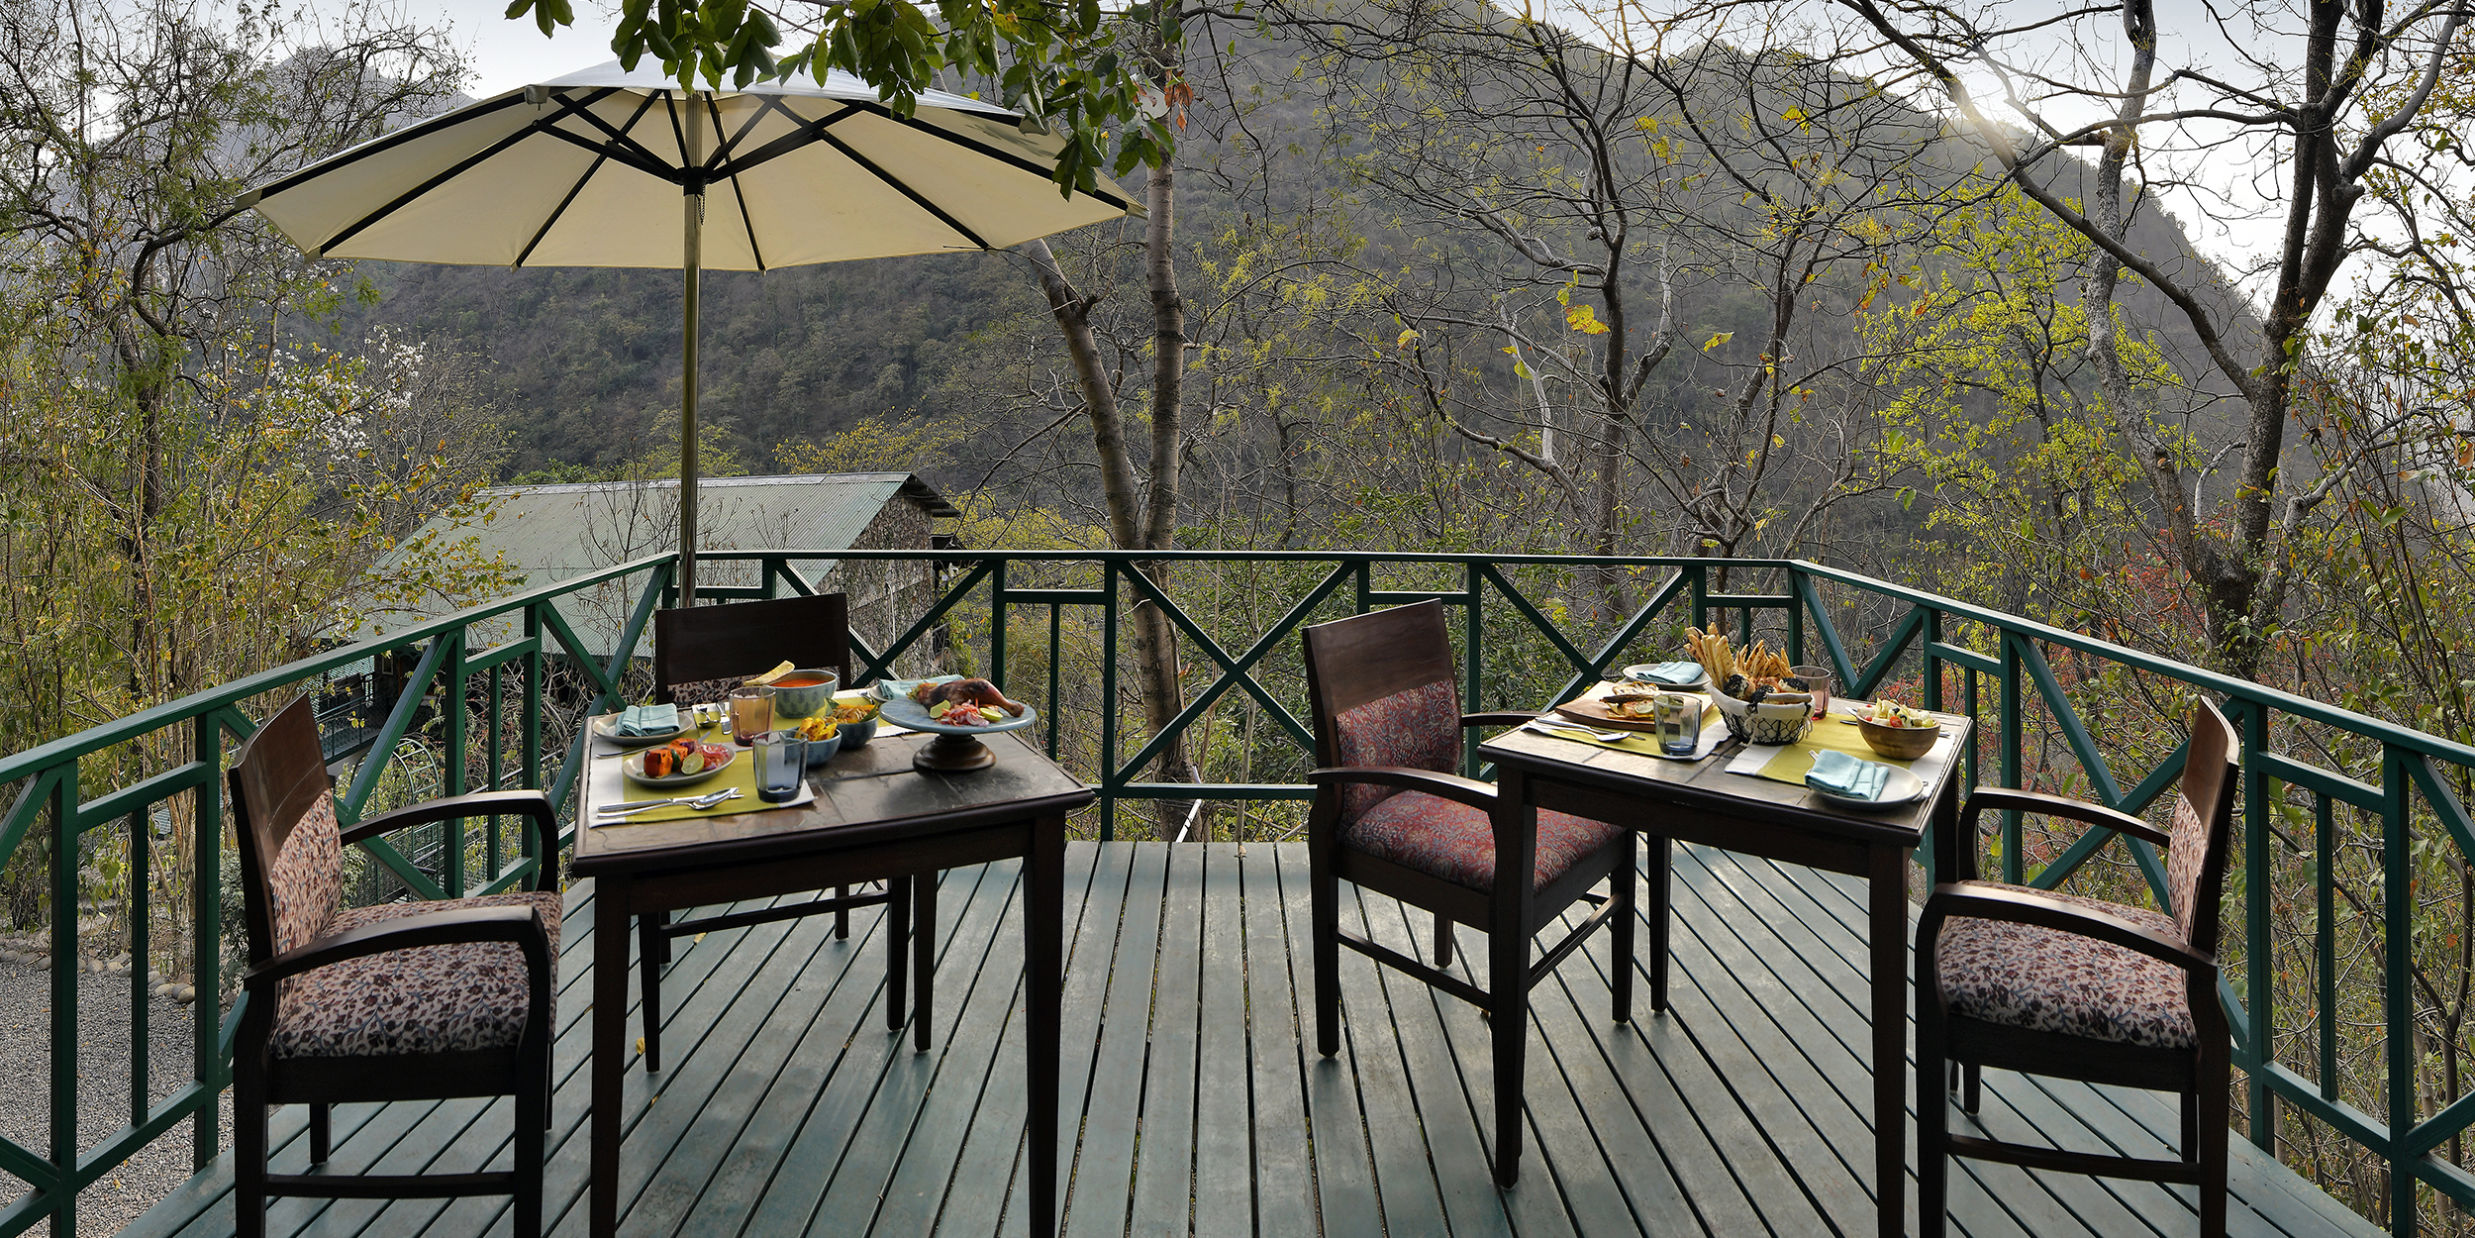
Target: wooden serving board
x=1592 y=711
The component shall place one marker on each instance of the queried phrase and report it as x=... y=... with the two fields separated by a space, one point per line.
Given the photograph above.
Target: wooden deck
x=788 y=1108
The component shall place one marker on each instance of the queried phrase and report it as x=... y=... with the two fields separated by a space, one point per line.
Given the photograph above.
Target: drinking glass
x=751 y=713
x=780 y=758
x=1679 y=723
x=1813 y=679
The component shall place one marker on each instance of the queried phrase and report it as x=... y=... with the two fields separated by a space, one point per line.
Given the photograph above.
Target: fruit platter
x=957 y=712
x=678 y=763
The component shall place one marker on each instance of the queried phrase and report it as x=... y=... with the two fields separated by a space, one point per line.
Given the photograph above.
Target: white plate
x=1638 y=673
x=633 y=765
x=1904 y=788
x=607 y=727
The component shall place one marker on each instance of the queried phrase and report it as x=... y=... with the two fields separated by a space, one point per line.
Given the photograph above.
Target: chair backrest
x=2203 y=827
x=1381 y=685
x=701 y=652
x=292 y=859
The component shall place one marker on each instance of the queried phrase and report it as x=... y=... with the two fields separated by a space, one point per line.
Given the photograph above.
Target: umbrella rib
x=917 y=198
x=1107 y=190
x=380 y=145
x=558 y=212
x=643 y=158
x=452 y=171
x=775 y=149
x=721 y=157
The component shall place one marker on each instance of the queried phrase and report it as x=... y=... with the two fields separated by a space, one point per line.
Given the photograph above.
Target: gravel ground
x=103 y=1092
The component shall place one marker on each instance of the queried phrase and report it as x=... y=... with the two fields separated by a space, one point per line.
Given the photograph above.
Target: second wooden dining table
x=1701 y=802
x=874 y=818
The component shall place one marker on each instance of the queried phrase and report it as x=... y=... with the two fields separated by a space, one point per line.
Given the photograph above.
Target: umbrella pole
x=693 y=266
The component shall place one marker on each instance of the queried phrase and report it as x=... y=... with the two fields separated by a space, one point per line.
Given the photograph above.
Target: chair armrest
x=453 y=926
x=1977 y=900
x=1983 y=798
x=1501 y=717
x=1453 y=787
x=533 y=806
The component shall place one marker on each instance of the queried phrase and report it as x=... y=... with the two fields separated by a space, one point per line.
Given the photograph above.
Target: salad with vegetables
x=1893 y=714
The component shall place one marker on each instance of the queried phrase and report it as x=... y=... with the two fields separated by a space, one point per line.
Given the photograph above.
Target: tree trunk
x=1137 y=521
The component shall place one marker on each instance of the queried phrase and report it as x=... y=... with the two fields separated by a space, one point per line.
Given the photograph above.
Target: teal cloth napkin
x=1676 y=673
x=648 y=720
x=1841 y=774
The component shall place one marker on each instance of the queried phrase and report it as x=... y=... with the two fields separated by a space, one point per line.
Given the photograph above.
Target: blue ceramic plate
x=907 y=712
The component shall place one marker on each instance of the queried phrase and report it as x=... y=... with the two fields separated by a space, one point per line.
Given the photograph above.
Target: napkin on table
x=1841 y=774
x=647 y=720
x=1675 y=673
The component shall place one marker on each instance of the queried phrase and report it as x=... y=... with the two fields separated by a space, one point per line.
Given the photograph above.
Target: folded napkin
x=1676 y=673
x=1841 y=774
x=647 y=720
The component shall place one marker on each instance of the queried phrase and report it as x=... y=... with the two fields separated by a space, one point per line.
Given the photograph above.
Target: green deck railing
x=494 y=685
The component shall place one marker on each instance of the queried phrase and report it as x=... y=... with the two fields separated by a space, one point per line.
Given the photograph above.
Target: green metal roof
x=547 y=534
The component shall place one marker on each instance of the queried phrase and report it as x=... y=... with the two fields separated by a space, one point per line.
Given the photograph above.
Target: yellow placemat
x=1794 y=761
x=740 y=773
x=1644 y=743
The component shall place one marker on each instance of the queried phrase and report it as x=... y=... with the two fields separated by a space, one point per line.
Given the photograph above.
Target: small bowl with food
x=824 y=737
x=855 y=714
x=1896 y=731
x=800 y=693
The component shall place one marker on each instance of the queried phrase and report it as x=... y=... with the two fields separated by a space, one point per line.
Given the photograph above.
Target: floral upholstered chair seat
x=463 y=996
x=435 y=999
x=2041 y=979
x=1421 y=729
x=1456 y=842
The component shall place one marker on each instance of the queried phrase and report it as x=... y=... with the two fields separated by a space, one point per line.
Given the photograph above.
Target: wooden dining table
x=1701 y=802
x=874 y=817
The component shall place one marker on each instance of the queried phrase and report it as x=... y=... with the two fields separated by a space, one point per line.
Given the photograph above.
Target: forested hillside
x=1288 y=204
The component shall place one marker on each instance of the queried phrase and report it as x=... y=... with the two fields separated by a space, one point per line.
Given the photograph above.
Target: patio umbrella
x=591 y=169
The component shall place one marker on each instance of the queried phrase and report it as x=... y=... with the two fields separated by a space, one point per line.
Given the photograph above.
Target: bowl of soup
x=803 y=692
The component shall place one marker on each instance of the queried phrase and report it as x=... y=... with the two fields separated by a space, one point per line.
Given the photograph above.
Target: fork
x=1546 y=727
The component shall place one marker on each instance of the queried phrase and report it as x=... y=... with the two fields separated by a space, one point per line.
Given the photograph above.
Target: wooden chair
x=405 y=1001
x=1391 y=816
x=2071 y=987
x=700 y=653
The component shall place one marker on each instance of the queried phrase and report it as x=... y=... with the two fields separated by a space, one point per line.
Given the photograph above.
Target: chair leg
x=2191 y=1126
x=1443 y=942
x=1324 y=894
x=842 y=915
x=660 y=953
x=651 y=946
x=321 y=1134
x=248 y=1156
x=2214 y=1120
x=532 y=1120
x=1627 y=885
x=897 y=951
x=1933 y=1128
x=1972 y=1084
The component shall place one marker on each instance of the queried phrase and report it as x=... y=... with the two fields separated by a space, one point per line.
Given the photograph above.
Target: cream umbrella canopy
x=612 y=168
